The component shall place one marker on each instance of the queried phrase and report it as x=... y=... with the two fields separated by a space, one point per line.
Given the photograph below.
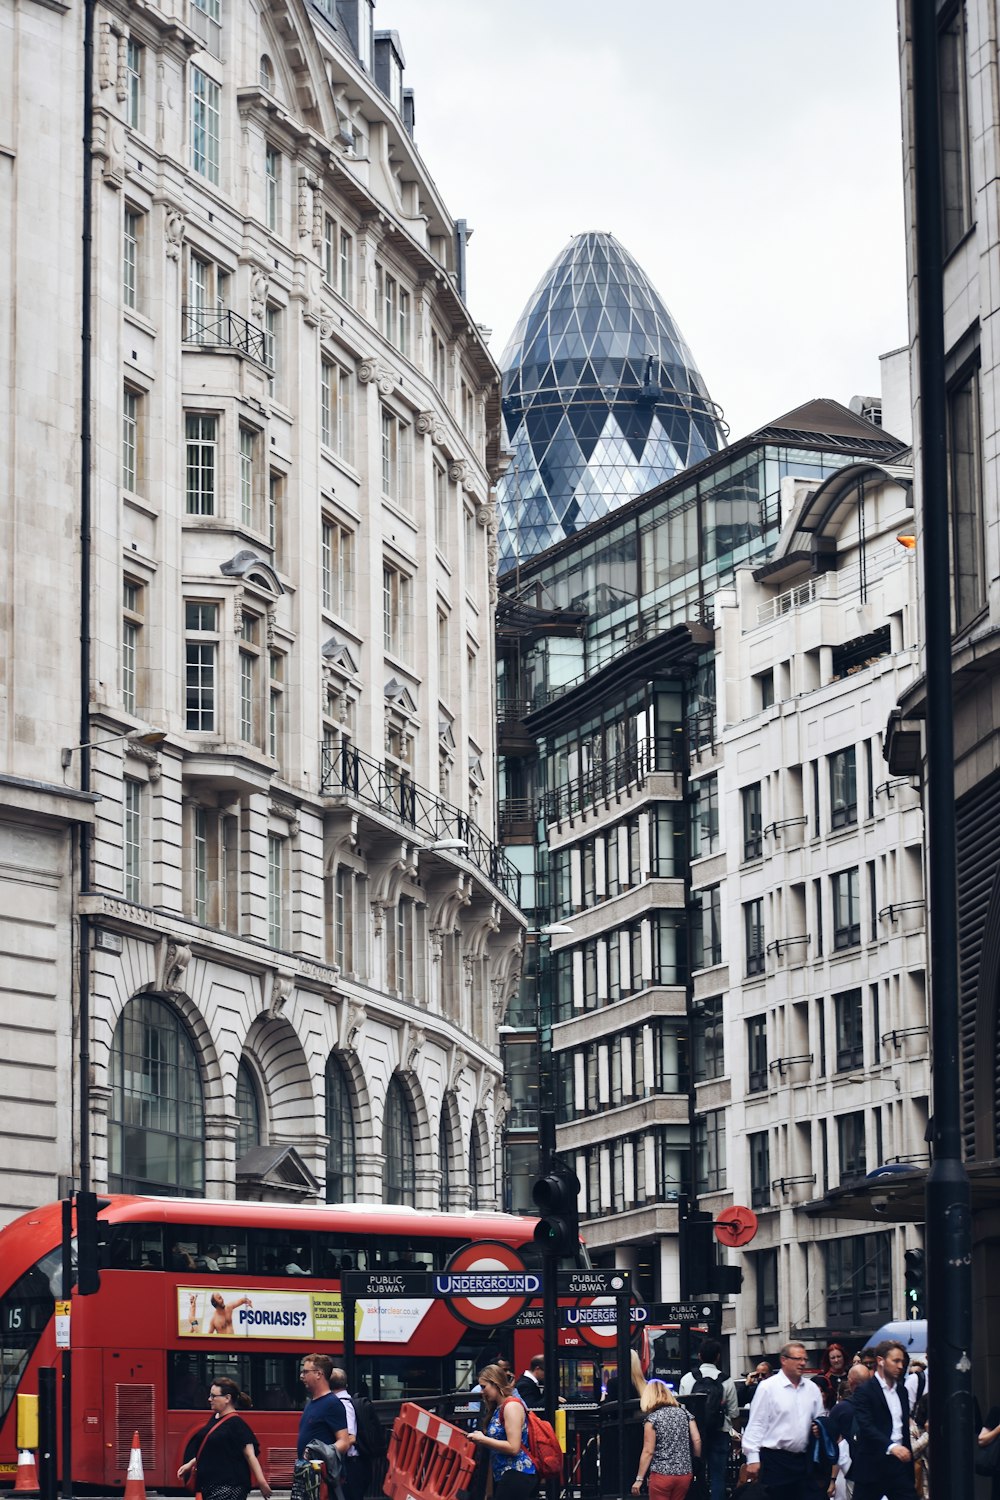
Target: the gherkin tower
x=601 y=398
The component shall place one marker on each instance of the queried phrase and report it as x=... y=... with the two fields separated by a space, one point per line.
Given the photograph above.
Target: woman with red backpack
x=512 y=1468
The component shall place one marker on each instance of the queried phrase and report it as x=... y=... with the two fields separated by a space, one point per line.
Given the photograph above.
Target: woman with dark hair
x=225 y=1451
x=506 y=1437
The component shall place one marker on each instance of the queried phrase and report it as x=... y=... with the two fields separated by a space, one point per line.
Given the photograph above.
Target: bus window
x=270 y=1380
x=218 y=1250
x=276 y=1252
x=336 y=1253
x=24 y=1312
x=403 y=1379
x=133 y=1247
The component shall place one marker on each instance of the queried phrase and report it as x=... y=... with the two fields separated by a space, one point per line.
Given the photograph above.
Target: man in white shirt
x=780 y=1428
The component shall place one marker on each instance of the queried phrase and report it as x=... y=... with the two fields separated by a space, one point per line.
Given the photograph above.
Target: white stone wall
x=284 y=1008
x=762 y=628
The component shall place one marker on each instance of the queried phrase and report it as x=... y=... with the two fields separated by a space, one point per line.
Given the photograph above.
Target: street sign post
x=687 y=1314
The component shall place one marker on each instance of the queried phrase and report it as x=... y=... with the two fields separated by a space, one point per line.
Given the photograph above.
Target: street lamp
x=152 y=737
x=453 y=846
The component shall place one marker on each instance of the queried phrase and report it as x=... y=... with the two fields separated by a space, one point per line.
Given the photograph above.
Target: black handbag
x=988 y=1459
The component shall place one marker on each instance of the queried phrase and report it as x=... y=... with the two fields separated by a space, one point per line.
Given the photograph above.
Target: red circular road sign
x=489 y=1257
x=736 y=1226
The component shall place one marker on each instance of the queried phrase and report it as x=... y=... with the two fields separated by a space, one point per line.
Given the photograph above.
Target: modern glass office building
x=602 y=399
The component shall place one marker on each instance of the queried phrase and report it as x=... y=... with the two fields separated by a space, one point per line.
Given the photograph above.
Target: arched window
x=340 y=1128
x=266 y=73
x=156 y=1118
x=475 y=1169
x=444 y=1158
x=399 y=1183
x=247 y=1111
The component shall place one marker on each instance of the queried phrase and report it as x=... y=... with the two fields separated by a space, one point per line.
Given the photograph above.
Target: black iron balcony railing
x=220 y=328
x=609 y=777
x=348 y=772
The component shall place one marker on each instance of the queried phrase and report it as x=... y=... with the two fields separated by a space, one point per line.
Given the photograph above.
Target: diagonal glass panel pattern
x=602 y=399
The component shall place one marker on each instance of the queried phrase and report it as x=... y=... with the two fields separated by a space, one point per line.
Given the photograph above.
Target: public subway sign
x=253 y=1313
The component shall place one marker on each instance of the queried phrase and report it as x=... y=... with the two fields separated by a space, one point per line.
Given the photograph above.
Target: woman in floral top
x=506 y=1437
x=670 y=1441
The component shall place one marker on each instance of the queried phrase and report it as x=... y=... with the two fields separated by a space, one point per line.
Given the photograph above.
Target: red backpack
x=542 y=1446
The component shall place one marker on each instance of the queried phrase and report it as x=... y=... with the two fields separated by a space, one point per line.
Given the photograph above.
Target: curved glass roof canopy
x=602 y=399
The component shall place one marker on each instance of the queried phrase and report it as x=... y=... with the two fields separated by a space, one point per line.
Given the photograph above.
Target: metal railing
x=348 y=772
x=608 y=778
x=221 y=328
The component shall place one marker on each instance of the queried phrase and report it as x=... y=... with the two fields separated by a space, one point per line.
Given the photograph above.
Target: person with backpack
x=670 y=1444
x=368 y=1438
x=721 y=1409
x=515 y=1476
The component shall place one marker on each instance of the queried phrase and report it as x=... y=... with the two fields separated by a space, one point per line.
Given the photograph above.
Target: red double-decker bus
x=193 y=1289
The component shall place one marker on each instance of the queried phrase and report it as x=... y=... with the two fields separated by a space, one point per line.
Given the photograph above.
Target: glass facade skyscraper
x=602 y=399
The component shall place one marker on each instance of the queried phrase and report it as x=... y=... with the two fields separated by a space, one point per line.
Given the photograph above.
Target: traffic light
x=915 y=1265
x=556 y=1195
x=698 y=1258
x=88 y=1276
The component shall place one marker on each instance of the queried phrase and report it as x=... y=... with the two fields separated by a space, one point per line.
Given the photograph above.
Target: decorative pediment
x=476 y=769
x=274 y=1172
x=254 y=569
x=399 y=695
x=446 y=734
x=337 y=654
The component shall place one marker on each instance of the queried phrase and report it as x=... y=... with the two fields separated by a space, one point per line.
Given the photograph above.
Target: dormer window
x=389 y=65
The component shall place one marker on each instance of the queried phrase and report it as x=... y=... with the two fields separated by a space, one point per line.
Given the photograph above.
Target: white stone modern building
x=272 y=892
x=704 y=641
x=813 y=1016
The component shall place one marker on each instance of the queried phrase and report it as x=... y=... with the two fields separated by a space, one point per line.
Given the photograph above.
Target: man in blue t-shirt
x=324 y=1418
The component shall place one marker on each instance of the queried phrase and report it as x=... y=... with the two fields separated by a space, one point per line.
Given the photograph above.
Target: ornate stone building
x=258 y=938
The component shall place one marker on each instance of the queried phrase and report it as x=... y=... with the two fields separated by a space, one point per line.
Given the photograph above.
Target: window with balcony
x=851 y=1145
x=206 y=109
x=710 y=1151
x=753 y=935
x=849 y=1016
x=760 y=1169
x=753 y=837
x=843 y=788
x=757 y=1076
x=846 y=888
x=201 y=648
x=707 y=1038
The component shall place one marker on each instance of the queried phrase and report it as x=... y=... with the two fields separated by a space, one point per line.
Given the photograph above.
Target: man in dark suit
x=882 y=1460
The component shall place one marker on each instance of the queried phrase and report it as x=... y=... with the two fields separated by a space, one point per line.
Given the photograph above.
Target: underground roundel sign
x=486 y=1283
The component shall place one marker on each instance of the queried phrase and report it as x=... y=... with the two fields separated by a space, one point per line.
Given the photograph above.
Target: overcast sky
x=748 y=155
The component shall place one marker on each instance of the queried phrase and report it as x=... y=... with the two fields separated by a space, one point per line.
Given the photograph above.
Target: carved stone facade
x=278 y=417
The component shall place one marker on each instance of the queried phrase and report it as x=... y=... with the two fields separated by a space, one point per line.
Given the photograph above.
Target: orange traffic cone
x=135 y=1480
x=27 y=1473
